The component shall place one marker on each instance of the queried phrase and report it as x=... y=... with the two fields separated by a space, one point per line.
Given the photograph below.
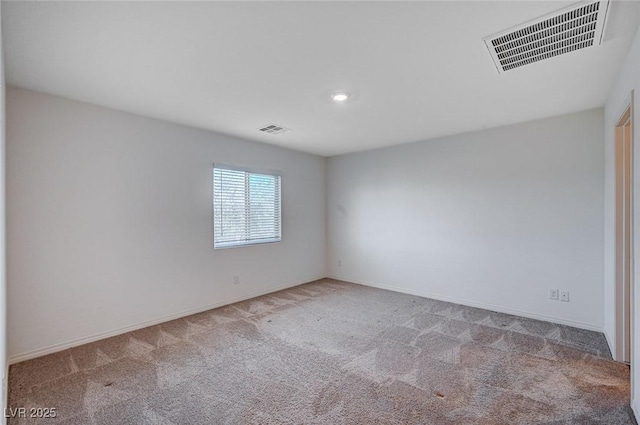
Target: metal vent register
x=567 y=30
x=274 y=129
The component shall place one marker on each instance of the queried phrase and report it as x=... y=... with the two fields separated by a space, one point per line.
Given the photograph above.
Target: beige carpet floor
x=330 y=352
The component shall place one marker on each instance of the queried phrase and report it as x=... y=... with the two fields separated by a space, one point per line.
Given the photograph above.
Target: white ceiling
x=417 y=70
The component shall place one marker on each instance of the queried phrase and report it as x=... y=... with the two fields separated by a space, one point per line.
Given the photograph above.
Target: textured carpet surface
x=330 y=352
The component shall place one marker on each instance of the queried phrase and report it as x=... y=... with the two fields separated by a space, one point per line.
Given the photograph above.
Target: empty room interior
x=316 y=212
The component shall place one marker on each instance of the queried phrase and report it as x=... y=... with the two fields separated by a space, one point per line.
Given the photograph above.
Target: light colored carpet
x=330 y=352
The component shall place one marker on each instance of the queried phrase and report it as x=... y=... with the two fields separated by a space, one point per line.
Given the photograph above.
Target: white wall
x=492 y=218
x=628 y=80
x=3 y=287
x=110 y=222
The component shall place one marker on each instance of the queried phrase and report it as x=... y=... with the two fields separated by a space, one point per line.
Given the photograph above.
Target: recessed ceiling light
x=340 y=97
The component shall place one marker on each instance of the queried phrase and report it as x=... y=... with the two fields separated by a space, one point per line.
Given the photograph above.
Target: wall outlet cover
x=564 y=296
x=553 y=294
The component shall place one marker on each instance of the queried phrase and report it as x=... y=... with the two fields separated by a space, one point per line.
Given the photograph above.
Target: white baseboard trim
x=486 y=306
x=610 y=343
x=16 y=358
x=20 y=357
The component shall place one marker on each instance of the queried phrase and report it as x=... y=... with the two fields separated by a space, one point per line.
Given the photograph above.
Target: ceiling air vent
x=567 y=30
x=274 y=129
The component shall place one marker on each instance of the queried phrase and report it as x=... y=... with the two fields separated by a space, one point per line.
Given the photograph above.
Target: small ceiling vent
x=274 y=129
x=577 y=27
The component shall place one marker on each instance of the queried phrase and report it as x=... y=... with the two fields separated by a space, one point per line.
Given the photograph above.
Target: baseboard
x=634 y=409
x=609 y=343
x=486 y=306
x=17 y=358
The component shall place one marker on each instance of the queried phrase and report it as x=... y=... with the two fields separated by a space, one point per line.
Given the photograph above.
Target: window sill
x=226 y=245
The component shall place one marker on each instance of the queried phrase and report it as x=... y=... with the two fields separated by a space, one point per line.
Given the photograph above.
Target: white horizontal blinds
x=264 y=207
x=246 y=207
x=230 y=206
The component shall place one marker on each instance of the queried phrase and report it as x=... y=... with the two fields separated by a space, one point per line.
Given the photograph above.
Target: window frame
x=248 y=171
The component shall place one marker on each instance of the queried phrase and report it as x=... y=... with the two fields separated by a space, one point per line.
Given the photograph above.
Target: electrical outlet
x=236 y=280
x=339 y=263
x=564 y=296
x=553 y=294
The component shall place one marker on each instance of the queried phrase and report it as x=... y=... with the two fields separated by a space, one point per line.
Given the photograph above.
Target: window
x=246 y=207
